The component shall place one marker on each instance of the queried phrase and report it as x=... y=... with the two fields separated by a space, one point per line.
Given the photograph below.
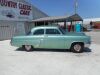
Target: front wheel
x=28 y=48
x=77 y=48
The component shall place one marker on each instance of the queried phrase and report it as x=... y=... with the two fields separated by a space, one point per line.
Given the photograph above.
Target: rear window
x=39 y=32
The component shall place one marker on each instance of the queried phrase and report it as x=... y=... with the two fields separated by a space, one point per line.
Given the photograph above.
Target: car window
x=52 y=31
x=39 y=32
x=62 y=30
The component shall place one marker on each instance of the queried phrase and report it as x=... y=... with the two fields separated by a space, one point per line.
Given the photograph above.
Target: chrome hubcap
x=27 y=47
x=77 y=47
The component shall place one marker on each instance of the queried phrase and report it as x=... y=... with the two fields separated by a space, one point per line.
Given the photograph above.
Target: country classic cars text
x=24 y=9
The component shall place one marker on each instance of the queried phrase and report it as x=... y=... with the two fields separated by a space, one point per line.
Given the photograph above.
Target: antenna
x=76 y=6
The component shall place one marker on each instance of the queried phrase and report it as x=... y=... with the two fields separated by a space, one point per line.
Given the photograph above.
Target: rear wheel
x=28 y=48
x=77 y=47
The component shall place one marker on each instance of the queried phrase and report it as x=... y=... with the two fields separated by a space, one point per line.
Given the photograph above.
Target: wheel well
x=77 y=43
x=23 y=46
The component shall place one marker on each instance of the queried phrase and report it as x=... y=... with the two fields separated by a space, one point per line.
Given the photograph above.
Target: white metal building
x=15 y=17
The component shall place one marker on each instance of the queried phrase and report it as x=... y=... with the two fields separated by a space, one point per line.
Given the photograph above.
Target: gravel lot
x=95 y=37
x=19 y=62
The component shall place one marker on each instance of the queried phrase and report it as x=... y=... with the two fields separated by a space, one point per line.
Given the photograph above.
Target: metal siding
x=19 y=29
x=28 y=27
x=8 y=29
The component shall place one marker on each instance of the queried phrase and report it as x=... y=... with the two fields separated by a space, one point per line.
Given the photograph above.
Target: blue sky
x=86 y=8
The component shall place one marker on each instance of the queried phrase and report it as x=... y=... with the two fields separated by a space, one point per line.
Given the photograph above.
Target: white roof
x=51 y=18
x=92 y=19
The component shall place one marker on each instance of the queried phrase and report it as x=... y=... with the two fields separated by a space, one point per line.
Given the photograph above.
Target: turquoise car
x=48 y=37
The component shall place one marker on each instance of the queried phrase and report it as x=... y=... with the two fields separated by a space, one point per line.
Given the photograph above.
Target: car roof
x=43 y=27
x=46 y=27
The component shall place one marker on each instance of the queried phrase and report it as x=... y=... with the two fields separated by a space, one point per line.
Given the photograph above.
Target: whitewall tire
x=28 y=48
x=77 y=48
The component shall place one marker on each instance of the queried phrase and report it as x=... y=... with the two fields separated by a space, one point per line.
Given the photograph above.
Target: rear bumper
x=11 y=43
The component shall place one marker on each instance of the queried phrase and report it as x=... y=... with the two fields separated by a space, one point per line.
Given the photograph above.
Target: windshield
x=62 y=30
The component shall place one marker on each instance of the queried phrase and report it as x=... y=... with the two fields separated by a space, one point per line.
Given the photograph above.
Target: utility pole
x=76 y=6
x=75 y=9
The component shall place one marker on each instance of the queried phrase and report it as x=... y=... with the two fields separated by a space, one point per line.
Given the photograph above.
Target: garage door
x=7 y=30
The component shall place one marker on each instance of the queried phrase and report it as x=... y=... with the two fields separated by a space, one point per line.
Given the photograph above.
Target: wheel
x=77 y=48
x=28 y=48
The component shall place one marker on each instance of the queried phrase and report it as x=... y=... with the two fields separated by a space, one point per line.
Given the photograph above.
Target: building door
x=7 y=30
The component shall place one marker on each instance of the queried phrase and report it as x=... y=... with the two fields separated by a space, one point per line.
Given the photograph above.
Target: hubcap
x=77 y=47
x=27 y=47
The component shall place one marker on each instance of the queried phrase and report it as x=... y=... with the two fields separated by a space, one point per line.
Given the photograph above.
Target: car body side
x=58 y=41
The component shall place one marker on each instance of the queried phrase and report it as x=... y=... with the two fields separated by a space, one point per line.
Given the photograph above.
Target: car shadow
x=52 y=50
x=43 y=50
x=87 y=50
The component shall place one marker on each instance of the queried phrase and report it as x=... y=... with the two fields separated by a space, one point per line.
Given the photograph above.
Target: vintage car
x=50 y=37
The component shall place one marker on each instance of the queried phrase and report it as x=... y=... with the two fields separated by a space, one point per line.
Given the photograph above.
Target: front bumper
x=87 y=45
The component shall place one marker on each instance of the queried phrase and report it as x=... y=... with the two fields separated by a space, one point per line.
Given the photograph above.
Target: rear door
x=39 y=37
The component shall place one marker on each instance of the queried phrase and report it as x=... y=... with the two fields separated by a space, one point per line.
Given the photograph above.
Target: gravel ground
x=95 y=37
x=19 y=62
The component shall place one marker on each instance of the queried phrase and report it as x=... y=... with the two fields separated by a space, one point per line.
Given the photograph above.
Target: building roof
x=92 y=19
x=74 y=17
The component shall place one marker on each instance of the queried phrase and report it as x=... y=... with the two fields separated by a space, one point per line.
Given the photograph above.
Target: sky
x=86 y=8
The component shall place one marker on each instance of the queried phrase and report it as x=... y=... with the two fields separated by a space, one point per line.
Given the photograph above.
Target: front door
x=53 y=39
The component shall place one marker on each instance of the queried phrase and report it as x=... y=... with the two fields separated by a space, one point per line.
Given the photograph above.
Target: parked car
x=48 y=37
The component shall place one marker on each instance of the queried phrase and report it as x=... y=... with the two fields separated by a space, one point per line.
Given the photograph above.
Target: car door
x=53 y=39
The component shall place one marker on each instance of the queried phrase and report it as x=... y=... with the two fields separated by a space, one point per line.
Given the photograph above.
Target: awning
x=74 y=17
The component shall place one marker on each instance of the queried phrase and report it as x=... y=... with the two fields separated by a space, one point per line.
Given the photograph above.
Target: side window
x=52 y=31
x=39 y=32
